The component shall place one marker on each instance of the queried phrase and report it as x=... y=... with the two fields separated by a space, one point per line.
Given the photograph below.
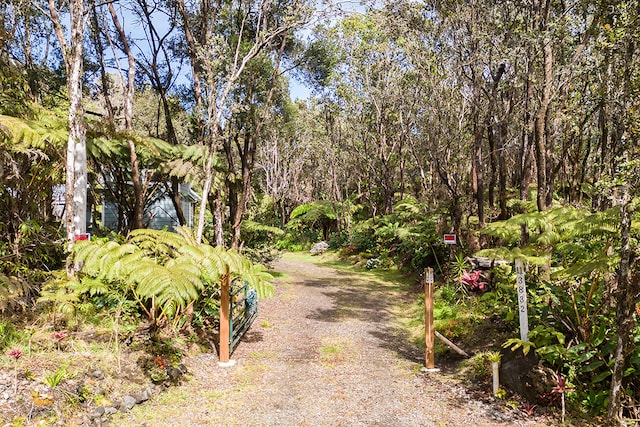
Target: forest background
x=512 y=124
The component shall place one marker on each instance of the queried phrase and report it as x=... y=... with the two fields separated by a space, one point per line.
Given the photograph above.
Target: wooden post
x=225 y=309
x=428 y=318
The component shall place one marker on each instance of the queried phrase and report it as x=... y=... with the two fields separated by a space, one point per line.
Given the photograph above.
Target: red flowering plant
x=473 y=280
x=58 y=337
x=15 y=354
x=561 y=388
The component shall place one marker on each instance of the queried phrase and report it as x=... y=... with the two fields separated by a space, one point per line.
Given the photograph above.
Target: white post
x=522 y=300
x=495 y=370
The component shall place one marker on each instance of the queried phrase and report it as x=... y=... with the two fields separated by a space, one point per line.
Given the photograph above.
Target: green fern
x=313 y=211
x=163 y=271
x=25 y=135
x=249 y=226
x=12 y=289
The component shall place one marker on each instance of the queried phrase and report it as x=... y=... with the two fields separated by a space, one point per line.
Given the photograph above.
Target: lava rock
x=97 y=412
x=514 y=368
x=128 y=402
x=98 y=374
x=143 y=396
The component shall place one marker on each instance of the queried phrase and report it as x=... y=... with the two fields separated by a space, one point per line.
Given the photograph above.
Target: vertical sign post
x=522 y=300
x=428 y=318
x=225 y=311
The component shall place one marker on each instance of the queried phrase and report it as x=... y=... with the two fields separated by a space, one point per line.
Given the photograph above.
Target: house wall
x=160 y=215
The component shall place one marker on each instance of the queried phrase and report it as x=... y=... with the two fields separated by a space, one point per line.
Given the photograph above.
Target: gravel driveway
x=323 y=352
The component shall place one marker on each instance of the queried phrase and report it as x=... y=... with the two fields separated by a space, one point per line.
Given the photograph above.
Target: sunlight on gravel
x=325 y=351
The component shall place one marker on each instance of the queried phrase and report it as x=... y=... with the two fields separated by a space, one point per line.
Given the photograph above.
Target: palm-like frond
x=169 y=269
x=257 y=276
x=313 y=211
x=527 y=255
x=29 y=134
x=12 y=288
x=249 y=226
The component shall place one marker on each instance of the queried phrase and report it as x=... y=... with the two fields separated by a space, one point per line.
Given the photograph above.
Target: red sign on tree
x=450 y=239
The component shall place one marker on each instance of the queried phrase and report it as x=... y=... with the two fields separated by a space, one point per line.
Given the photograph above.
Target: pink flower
x=16 y=353
x=59 y=336
x=561 y=387
x=473 y=280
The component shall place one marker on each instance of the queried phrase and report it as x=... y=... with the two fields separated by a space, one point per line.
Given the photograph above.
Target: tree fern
x=12 y=289
x=258 y=278
x=163 y=271
x=313 y=211
x=528 y=255
x=29 y=134
x=249 y=226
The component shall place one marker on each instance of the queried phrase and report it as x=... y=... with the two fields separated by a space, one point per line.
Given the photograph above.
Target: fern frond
x=158 y=242
x=255 y=227
x=602 y=263
x=257 y=276
x=187 y=234
x=92 y=286
x=528 y=255
x=109 y=259
x=28 y=134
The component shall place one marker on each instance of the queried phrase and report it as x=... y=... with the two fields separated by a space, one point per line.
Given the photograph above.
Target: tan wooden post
x=225 y=308
x=428 y=318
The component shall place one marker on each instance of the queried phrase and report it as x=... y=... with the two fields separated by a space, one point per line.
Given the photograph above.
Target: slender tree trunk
x=218 y=219
x=493 y=160
x=545 y=190
x=625 y=303
x=76 y=164
x=502 y=172
x=477 y=168
x=129 y=91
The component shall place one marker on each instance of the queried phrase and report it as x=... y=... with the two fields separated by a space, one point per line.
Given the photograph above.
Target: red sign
x=83 y=236
x=450 y=239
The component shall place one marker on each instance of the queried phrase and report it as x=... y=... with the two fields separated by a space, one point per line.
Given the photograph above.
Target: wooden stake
x=451 y=345
x=225 y=309
x=428 y=318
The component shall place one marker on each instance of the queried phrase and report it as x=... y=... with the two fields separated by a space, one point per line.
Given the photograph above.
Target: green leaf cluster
x=163 y=272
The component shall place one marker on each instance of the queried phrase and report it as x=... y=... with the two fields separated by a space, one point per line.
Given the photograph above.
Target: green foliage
x=163 y=272
x=408 y=237
x=57 y=377
x=315 y=215
x=570 y=306
x=26 y=136
x=14 y=291
x=8 y=334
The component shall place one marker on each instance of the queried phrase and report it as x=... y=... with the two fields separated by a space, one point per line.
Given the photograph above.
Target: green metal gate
x=244 y=310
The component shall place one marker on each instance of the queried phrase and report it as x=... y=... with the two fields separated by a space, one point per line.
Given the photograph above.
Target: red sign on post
x=450 y=239
x=82 y=236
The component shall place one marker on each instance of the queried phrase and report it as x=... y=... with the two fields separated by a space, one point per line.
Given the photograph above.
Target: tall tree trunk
x=628 y=287
x=218 y=219
x=524 y=169
x=477 y=168
x=161 y=86
x=540 y=134
x=76 y=164
x=493 y=161
x=129 y=91
x=502 y=172
x=625 y=303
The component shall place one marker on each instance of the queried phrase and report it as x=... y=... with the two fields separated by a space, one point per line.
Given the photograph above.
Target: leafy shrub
x=162 y=272
x=472 y=280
